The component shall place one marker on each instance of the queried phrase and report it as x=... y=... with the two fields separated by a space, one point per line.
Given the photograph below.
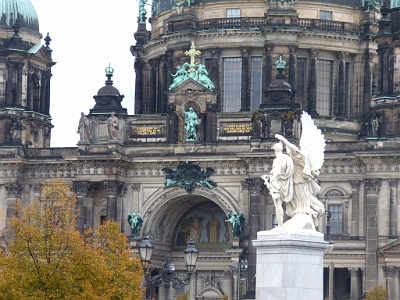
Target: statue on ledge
x=292 y=179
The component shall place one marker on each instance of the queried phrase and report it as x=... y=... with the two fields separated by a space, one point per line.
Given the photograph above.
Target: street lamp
x=240 y=269
x=167 y=275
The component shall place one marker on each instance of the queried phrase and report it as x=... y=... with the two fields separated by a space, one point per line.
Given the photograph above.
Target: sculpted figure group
x=292 y=179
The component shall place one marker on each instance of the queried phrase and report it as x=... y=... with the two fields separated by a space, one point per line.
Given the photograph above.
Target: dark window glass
x=256 y=82
x=232 y=84
x=325 y=15
x=336 y=220
x=301 y=84
x=324 y=87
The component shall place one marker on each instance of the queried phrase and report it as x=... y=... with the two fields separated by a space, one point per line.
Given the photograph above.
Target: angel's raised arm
x=286 y=142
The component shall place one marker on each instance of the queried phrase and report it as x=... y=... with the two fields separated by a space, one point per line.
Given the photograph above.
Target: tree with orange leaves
x=47 y=258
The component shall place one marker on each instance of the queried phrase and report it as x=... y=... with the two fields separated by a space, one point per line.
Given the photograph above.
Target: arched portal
x=172 y=217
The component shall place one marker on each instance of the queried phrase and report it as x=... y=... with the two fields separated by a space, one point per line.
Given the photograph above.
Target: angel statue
x=299 y=190
x=237 y=222
x=136 y=221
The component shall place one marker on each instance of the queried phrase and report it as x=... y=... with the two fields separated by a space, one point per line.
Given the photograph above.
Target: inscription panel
x=237 y=128
x=141 y=131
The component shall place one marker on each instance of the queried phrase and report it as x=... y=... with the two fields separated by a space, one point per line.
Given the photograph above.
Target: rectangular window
x=256 y=82
x=324 y=87
x=232 y=91
x=301 y=84
x=325 y=15
x=394 y=3
x=233 y=13
x=336 y=220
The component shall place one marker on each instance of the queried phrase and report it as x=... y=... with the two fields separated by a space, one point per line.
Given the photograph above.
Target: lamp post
x=240 y=269
x=167 y=275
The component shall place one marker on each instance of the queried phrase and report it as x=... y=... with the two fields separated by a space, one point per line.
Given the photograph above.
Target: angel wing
x=312 y=142
x=131 y=216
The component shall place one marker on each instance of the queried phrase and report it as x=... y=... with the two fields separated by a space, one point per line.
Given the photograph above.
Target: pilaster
x=371 y=190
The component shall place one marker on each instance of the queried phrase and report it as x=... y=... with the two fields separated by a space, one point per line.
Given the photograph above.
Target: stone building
x=246 y=69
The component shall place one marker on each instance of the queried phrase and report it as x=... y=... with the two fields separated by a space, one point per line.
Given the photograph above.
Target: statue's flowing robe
x=281 y=177
x=305 y=189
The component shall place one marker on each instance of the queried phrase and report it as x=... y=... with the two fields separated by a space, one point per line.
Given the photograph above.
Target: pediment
x=39 y=52
x=392 y=248
x=190 y=84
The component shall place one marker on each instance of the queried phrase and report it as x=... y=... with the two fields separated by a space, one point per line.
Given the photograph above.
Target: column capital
x=37 y=188
x=81 y=187
x=393 y=182
x=255 y=185
x=390 y=271
x=112 y=187
x=342 y=55
x=269 y=49
x=293 y=49
x=215 y=52
x=13 y=190
x=372 y=185
x=355 y=184
x=355 y=272
x=314 y=52
x=244 y=50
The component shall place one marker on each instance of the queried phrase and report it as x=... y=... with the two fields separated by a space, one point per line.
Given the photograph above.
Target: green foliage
x=378 y=292
x=47 y=258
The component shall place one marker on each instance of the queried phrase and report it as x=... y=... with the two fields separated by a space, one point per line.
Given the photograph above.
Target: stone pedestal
x=289 y=265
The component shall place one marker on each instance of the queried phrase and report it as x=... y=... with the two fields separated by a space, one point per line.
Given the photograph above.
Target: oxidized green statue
x=142 y=11
x=193 y=70
x=237 y=222
x=372 y=5
x=191 y=122
x=136 y=221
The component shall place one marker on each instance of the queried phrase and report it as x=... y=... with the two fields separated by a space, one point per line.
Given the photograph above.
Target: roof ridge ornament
x=109 y=73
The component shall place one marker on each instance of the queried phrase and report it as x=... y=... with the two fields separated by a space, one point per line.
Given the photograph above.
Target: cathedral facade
x=216 y=80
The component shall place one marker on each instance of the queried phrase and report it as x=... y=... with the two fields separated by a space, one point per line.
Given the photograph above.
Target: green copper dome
x=23 y=10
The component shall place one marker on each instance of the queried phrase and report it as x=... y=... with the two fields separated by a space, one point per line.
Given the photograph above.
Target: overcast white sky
x=86 y=36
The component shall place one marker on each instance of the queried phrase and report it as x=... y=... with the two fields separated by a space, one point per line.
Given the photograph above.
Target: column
x=386 y=70
x=170 y=66
x=267 y=71
x=43 y=93
x=82 y=189
x=392 y=278
x=380 y=51
x=371 y=189
x=164 y=86
x=138 y=65
x=367 y=81
x=293 y=66
x=354 y=222
x=355 y=284
x=152 y=109
x=47 y=94
x=393 y=184
x=18 y=100
x=112 y=190
x=245 y=99
x=341 y=108
x=254 y=185
x=312 y=102
x=13 y=192
x=9 y=84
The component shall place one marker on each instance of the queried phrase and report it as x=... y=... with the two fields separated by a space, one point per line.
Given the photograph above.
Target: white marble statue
x=295 y=182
